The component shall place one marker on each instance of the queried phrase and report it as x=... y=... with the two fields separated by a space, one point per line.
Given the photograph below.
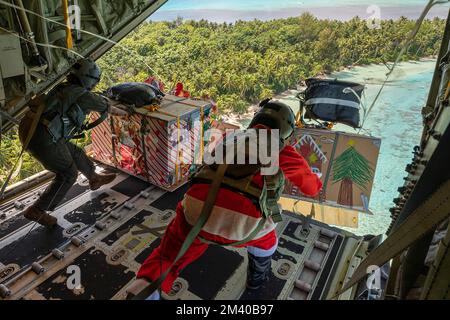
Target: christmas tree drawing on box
x=345 y=163
x=348 y=169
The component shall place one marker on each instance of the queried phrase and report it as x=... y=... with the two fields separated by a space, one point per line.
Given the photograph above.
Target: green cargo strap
x=85 y=127
x=58 y=128
x=96 y=123
x=268 y=196
x=244 y=185
x=426 y=217
x=204 y=216
x=272 y=211
x=271 y=192
x=88 y=126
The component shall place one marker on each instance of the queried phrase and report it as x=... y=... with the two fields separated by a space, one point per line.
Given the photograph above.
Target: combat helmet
x=87 y=72
x=275 y=115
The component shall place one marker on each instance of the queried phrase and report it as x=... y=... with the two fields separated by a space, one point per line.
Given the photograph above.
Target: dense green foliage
x=237 y=64
x=11 y=148
x=241 y=63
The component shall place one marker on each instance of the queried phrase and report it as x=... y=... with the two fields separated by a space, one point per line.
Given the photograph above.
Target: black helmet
x=87 y=72
x=275 y=115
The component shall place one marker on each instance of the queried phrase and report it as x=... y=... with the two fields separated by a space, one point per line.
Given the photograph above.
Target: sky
x=232 y=10
x=272 y=4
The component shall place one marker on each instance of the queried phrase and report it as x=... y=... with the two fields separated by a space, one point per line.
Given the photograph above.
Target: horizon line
x=341 y=13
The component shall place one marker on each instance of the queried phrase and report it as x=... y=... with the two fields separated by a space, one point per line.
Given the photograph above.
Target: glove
x=317 y=172
x=113 y=108
x=117 y=112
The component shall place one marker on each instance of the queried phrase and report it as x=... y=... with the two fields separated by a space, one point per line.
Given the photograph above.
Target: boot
x=99 y=180
x=39 y=216
x=259 y=269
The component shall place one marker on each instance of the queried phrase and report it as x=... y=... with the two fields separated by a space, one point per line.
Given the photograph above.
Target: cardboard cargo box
x=346 y=163
x=160 y=145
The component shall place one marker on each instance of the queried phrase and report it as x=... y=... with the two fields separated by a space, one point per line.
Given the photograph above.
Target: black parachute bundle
x=137 y=94
x=334 y=101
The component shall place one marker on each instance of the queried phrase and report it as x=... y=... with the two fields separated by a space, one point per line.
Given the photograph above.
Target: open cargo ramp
x=108 y=233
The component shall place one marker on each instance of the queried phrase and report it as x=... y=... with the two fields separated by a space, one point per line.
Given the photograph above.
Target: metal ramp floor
x=108 y=233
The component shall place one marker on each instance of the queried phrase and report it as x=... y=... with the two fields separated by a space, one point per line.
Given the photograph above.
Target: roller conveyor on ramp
x=105 y=235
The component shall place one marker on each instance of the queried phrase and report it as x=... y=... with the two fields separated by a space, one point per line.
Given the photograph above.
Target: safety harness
x=238 y=178
x=266 y=198
x=64 y=118
x=58 y=114
x=204 y=216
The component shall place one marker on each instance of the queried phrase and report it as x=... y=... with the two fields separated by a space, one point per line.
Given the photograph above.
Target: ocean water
x=396 y=119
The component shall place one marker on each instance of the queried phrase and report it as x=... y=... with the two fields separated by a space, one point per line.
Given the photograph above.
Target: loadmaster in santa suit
x=46 y=130
x=230 y=205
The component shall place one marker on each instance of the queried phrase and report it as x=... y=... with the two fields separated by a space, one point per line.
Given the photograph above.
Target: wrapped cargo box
x=159 y=144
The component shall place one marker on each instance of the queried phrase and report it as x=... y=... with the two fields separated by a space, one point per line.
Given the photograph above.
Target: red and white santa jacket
x=235 y=216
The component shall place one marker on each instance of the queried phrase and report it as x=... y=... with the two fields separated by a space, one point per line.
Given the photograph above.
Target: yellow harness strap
x=447 y=92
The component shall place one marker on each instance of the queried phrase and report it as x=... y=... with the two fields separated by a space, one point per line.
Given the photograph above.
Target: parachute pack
x=137 y=94
x=239 y=176
x=334 y=101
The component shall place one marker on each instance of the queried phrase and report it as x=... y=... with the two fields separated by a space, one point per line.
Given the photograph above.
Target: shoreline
x=236 y=118
x=351 y=67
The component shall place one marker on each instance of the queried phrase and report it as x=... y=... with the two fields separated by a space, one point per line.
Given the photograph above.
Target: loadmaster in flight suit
x=64 y=113
x=234 y=216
